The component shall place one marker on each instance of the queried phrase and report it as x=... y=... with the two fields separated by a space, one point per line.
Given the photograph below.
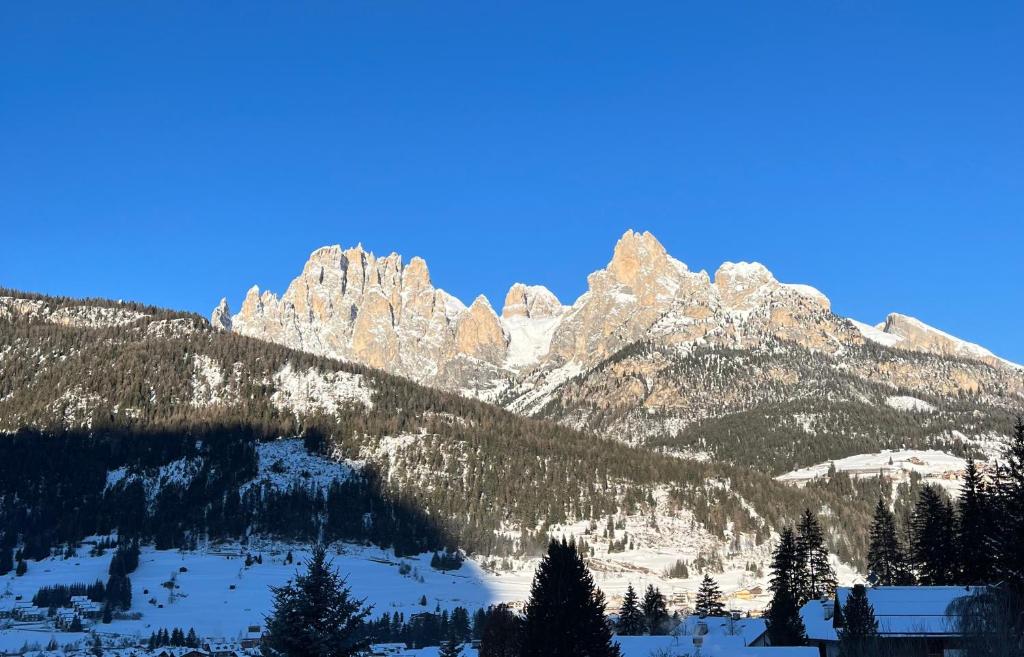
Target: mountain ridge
x=350 y=304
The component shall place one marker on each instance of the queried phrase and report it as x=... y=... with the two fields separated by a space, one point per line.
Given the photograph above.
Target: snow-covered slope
x=934 y=466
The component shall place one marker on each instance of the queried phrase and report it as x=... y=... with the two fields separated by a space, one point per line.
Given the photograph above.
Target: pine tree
x=119 y=592
x=786 y=565
x=459 y=624
x=21 y=569
x=108 y=614
x=316 y=615
x=709 y=599
x=501 y=633
x=655 y=610
x=818 y=578
x=887 y=564
x=974 y=531
x=565 y=614
x=631 y=619
x=6 y=560
x=1009 y=543
x=859 y=628
x=785 y=627
x=76 y=625
x=933 y=549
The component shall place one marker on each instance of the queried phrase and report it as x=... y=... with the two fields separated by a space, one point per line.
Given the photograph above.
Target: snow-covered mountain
x=352 y=305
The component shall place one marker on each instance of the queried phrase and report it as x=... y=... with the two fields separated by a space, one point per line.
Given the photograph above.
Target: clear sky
x=176 y=152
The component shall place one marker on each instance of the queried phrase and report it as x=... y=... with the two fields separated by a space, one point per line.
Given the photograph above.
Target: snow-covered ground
x=215 y=593
x=907 y=403
x=934 y=466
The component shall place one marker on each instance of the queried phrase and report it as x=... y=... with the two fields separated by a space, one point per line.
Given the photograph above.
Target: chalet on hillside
x=909 y=617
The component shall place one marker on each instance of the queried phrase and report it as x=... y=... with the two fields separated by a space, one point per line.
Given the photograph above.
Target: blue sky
x=177 y=152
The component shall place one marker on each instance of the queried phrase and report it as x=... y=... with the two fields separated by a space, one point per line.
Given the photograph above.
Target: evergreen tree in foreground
x=315 y=616
x=565 y=613
x=974 y=529
x=785 y=627
x=818 y=578
x=6 y=560
x=786 y=566
x=501 y=633
x=1009 y=548
x=933 y=549
x=655 y=610
x=631 y=619
x=887 y=563
x=859 y=628
x=709 y=599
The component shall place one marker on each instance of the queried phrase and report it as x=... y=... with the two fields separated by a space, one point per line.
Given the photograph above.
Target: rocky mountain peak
x=479 y=333
x=220 y=318
x=531 y=301
x=915 y=335
x=639 y=260
x=349 y=304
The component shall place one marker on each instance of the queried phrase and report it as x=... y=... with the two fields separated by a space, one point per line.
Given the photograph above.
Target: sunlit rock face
x=385 y=313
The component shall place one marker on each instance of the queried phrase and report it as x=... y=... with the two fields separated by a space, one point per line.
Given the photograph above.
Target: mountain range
x=651 y=353
x=665 y=415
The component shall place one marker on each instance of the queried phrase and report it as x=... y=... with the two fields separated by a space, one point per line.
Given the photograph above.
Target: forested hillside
x=90 y=388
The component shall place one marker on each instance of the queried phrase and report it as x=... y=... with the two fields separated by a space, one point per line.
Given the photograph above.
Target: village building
x=909 y=617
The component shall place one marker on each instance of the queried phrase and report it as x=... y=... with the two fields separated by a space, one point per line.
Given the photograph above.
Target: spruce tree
x=859 y=630
x=786 y=565
x=933 y=549
x=1009 y=543
x=6 y=560
x=565 y=614
x=21 y=569
x=316 y=615
x=887 y=563
x=974 y=531
x=818 y=578
x=655 y=609
x=785 y=627
x=631 y=619
x=501 y=633
x=709 y=599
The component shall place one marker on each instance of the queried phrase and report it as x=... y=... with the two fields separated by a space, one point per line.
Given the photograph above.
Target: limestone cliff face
x=530 y=302
x=914 y=335
x=350 y=304
x=379 y=311
x=479 y=334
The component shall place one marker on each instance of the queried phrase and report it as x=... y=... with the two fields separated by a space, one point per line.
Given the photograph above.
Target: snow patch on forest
x=907 y=403
x=309 y=391
x=180 y=472
x=285 y=462
x=207 y=381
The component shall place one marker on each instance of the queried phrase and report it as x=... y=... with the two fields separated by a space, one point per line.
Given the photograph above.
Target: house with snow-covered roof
x=751 y=630
x=914 y=617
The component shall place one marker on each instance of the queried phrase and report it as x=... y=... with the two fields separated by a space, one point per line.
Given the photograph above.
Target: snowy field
x=219 y=596
x=213 y=591
x=936 y=467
